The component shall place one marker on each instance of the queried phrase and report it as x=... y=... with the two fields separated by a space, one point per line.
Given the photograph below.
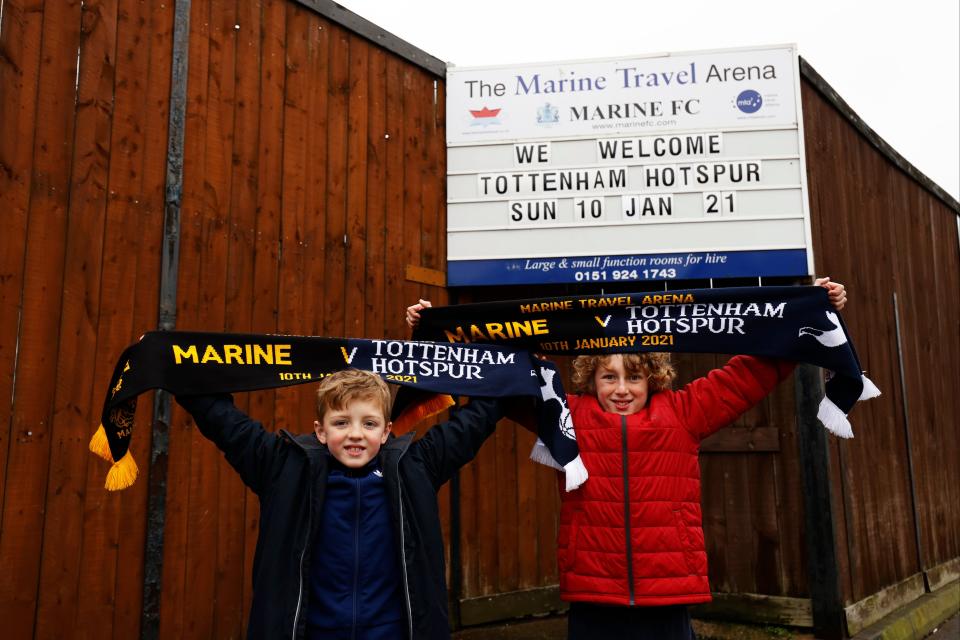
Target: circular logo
x=749 y=101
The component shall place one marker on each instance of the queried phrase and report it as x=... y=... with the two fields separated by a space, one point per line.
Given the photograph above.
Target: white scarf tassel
x=576 y=473
x=541 y=454
x=833 y=419
x=870 y=390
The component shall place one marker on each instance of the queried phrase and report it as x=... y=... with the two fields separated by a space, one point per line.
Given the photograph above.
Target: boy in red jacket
x=630 y=547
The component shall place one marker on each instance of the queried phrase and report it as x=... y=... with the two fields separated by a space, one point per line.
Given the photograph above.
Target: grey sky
x=897 y=64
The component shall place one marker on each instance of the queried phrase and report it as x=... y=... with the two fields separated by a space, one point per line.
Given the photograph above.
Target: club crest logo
x=548 y=114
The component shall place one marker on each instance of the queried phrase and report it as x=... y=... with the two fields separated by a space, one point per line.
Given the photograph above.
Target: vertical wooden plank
x=356 y=230
x=264 y=311
x=293 y=253
x=20 y=39
x=336 y=197
x=527 y=529
x=73 y=416
x=412 y=180
x=485 y=498
x=433 y=167
x=548 y=522
x=437 y=179
x=789 y=506
x=395 y=296
x=766 y=546
x=376 y=315
x=243 y=74
x=143 y=100
x=313 y=307
x=183 y=522
x=506 y=508
x=29 y=448
x=713 y=501
x=204 y=527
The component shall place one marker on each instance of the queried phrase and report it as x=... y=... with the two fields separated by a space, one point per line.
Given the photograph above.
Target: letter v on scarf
x=792 y=323
x=186 y=363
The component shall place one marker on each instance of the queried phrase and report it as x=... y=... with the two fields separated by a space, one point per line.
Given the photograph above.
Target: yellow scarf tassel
x=99 y=444
x=122 y=474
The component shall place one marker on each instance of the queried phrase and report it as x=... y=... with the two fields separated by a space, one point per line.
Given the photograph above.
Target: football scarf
x=186 y=363
x=792 y=323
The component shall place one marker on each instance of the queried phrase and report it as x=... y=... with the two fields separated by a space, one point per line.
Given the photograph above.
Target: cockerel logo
x=550 y=394
x=830 y=337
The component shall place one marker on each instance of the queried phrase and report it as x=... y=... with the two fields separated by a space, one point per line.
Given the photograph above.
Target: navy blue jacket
x=355 y=592
x=289 y=475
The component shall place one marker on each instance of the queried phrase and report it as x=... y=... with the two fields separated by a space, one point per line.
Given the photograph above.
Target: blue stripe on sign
x=629 y=268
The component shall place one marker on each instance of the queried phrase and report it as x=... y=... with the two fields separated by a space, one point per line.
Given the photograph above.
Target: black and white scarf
x=792 y=323
x=203 y=363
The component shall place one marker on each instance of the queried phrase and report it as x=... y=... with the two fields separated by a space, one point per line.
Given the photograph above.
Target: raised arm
x=450 y=445
x=714 y=401
x=247 y=446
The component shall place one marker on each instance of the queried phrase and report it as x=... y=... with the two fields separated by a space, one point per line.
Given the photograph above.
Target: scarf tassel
x=833 y=419
x=99 y=445
x=576 y=473
x=122 y=474
x=870 y=390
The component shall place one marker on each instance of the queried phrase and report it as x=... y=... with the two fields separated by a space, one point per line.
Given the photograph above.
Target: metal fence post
x=170 y=263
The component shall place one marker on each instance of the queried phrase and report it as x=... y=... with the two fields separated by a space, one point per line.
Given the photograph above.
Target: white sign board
x=663 y=167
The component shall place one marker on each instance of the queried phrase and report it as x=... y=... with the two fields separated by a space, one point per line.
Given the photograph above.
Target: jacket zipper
x=356 y=561
x=403 y=552
x=306 y=541
x=296 y=615
x=626 y=505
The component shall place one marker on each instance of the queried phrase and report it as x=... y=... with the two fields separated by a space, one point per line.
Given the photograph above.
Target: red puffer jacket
x=631 y=535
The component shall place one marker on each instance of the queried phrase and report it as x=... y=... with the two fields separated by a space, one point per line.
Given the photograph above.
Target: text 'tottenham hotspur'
x=433 y=360
x=724 y=317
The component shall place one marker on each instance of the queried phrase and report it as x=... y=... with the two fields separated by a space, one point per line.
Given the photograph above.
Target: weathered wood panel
x=19 y=69
x=269 y=179
x=884 y=232
x=46 y=200
x=87 y=172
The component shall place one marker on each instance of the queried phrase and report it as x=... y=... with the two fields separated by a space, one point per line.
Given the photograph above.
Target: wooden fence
x=312 y=176
x=279 y=166
x=892 y=236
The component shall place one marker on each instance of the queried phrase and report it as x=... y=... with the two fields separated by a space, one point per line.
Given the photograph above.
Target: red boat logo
x=485 y=113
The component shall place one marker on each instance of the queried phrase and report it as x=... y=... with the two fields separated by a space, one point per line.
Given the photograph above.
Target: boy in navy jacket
x=350 y=544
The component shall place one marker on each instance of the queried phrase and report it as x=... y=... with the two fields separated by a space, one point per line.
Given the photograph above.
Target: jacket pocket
x=686 y=544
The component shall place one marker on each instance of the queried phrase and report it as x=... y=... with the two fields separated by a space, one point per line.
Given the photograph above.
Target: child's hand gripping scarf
x=203 y=363
x=792 y=323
